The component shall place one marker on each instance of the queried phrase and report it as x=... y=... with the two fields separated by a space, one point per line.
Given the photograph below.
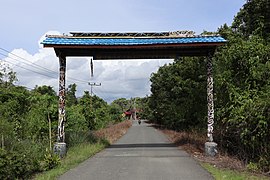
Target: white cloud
x=119 y=78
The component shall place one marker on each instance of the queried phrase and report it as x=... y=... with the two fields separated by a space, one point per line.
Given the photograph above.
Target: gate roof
x=151 y=45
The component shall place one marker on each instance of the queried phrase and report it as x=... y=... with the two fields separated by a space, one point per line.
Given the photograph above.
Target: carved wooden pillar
x=62 y=99
x=210 y=98
x=210 y=146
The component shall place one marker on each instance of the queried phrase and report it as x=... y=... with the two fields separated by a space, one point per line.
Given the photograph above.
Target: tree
x=44 y=90
x=123 y=103
x=87 y=111
x=178 y=97
x=145 y=111
x=242 y=87
x=13 y=103
x=98 y=102
x=95 y=111
x=7 y=76
x=253 y=19
x=115 y=112
x=70 y=95
x=41 y=113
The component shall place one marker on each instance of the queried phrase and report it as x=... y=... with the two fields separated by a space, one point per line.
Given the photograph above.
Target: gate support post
x=60 y=145
x=210 y=146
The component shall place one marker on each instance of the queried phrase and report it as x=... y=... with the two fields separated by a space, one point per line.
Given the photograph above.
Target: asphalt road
x=143 y=153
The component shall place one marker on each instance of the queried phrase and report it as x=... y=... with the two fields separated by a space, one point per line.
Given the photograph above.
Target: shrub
x=50 y=161
x=78 y=137
x=16 y=165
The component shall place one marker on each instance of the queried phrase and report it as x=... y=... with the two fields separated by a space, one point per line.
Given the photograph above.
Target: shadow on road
x=153 y=145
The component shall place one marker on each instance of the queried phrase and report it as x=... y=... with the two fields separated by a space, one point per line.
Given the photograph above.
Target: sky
x=24 y=25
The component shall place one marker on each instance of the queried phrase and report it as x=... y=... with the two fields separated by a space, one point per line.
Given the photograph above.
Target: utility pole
x=93 y=84
x=91 y=92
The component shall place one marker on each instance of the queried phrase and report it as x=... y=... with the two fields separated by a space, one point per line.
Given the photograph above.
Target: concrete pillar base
x=210 y=148
x=60 y=149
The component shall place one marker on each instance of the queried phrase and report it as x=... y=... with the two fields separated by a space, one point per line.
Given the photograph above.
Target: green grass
x=225 y=174
x=75 y=155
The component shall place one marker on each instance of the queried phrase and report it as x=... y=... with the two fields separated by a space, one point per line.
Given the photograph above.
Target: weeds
x=79 y=152
x=221 y=166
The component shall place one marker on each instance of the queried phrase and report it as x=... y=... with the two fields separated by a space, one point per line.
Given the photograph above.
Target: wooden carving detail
x=62 y=100
x=210 y=100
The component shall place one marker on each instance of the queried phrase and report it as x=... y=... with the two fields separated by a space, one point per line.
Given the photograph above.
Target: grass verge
x=222 y=167
x=77 y=154
x=225 y=174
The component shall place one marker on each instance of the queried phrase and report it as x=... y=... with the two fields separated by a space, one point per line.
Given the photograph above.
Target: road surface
x=143 y=153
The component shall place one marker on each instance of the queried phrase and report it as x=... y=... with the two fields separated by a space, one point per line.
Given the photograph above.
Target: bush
x=22 y=159
x=50 y=161
x=17 y=165
x=74 y=138
x=5 y=165
x=242 y=105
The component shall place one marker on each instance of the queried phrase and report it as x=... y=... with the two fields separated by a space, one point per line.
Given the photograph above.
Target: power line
x=36 y=66
x=29 y=62
x=26 y=68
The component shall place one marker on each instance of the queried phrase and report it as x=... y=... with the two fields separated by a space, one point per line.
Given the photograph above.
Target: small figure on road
x=139 y=121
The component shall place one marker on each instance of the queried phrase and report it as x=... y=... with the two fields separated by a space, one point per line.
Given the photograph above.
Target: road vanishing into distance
x=143 y=153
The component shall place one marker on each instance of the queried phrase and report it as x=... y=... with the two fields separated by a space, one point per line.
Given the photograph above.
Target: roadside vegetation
x=29 y=118
x=226 y=174
x=241 y=88
x=28 y=125
x=83 y=151
x=222 y=166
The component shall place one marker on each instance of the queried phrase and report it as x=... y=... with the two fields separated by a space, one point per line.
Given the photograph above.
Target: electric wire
x=26 y=68
x=53 y=74
x=40 y=67
x=28 y=62
x=36 y=66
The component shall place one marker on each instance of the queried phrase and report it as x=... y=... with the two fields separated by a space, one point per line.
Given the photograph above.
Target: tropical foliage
x=28 y=124
x=178 y=93
x=178 y=101
x=242 y=87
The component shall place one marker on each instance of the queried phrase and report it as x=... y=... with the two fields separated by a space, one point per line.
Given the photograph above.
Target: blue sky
x=24 y=23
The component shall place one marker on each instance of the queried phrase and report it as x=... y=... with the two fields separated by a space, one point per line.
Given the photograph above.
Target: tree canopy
x=241 y=88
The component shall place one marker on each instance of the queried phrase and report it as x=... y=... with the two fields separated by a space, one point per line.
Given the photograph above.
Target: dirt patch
x=193 y=143
x=114 y=132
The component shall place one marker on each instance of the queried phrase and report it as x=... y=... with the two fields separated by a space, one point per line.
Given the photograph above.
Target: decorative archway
x=151 y=45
